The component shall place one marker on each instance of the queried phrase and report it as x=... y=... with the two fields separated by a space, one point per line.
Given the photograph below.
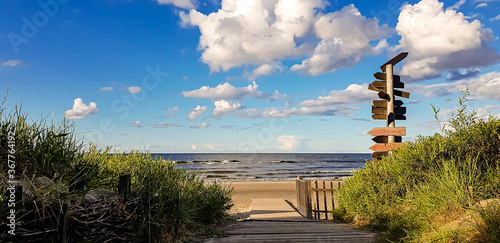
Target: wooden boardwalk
x=274 y=220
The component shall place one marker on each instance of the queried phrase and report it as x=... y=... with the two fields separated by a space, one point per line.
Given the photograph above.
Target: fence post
x=19 y=196
x=303 y=189
x=124 y=185
x=63 y=223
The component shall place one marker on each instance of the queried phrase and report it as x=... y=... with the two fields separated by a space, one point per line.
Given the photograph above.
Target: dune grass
x=431 y=190
x=167 y=203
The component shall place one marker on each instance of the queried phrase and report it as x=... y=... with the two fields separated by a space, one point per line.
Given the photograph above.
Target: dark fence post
x=63 y=224
x=124 y=185
x=19 y=196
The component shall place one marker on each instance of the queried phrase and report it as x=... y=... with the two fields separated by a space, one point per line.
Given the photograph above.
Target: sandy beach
x=244 y=192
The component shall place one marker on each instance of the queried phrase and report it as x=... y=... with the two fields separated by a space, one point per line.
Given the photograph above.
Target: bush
x=170 y=205
x=180 y=203
x=431 y=182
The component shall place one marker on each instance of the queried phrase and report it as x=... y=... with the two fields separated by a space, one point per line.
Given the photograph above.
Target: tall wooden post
x=390 y=103
x=388 y=138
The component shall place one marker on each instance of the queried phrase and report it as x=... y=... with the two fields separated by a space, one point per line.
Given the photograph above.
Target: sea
x=269 y=166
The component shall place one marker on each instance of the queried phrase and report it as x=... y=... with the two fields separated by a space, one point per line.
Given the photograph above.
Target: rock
x=97 y=195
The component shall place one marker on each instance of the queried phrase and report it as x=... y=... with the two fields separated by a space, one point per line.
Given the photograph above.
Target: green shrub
x=180 y=202
x=407 y=195
x=170 y=205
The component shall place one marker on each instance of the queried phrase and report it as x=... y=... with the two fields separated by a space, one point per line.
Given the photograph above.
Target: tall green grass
x=422 y=190
x=180 y=203
x=172 y=204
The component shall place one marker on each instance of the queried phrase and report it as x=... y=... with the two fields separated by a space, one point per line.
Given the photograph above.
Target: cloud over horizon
x=80 y=110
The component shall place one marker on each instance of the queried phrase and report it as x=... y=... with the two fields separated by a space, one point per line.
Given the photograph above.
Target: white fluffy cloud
x=260 y=32
x=223 y=107
x=440 y=40
x=203 y=125
x=353 y=94
x=136 y=124
x=482 y=5
x=134 y=89
x=264 y=70
x=495 y=18
x=13 y=63
x=290 y=142
x=81 y=110
x=345 y=38
x=252 y=31
x=457 y=5
x=228 y=92
x=186 y=4
x=195 y=112
x=486 y=86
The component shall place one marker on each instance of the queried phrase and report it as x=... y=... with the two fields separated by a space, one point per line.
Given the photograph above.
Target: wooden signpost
x=388 y=138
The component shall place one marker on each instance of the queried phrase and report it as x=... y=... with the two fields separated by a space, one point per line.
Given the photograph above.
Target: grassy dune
x=441 y=188
x=55 y=170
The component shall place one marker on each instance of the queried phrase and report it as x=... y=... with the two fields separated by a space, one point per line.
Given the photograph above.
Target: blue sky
x=243 y=76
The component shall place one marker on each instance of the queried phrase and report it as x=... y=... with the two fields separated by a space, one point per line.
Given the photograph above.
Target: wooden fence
x=315 y=199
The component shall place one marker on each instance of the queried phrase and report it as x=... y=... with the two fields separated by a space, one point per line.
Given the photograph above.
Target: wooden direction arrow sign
x=383 y=84
x=383 y=110
x=395 y=60
x=379 y=117
x=382 y=76
x=396 y=79
x=379 y=155
x=383 y=103
x=399 y=117
x=372 y=87
x=401 y=93
x=384 y=117
x=386 y=146
x=384 y=139
x=379 y=84
x=388 y=131
x=383 y=92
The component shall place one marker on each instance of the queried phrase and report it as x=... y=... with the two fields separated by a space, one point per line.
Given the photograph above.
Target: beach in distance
x=232 y=167
x=267 y=175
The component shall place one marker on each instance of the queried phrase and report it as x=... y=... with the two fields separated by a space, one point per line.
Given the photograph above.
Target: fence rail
x=315 y=199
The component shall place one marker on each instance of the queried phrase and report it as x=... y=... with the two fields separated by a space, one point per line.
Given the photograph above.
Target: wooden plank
x=400 y=117
x=382 y=76
x=379 y=155
x=379 y=84
x=394 y=60
x=401 y=93
x=379 y=117
x=383 y=110
x=388 y=131
x=383 y=139
x=383 y=103
x=383 y=95
x=397 y=80
x=386 y=146
x=384 y=92
x=323 y=190
x=371 y=87
x=326 y=205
